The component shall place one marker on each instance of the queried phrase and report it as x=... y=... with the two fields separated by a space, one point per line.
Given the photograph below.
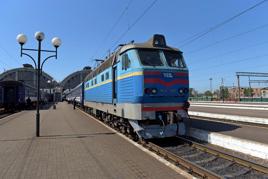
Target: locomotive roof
x=106 y=64
x=156 y=42
x=150 y=44
x=145 y=46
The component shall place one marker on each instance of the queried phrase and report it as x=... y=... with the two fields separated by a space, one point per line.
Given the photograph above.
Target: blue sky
x=240 y=45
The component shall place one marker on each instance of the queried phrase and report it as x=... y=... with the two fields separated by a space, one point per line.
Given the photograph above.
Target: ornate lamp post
x=39 y=36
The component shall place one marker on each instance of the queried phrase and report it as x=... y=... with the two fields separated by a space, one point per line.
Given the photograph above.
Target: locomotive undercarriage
x=118 y=123
x=167 y=124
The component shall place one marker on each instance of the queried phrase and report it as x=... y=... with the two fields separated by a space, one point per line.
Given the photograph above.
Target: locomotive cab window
x=150 y=57
x=174 y=59
x=125 y=61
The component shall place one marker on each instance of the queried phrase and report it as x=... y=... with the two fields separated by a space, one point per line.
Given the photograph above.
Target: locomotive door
x=114 y=83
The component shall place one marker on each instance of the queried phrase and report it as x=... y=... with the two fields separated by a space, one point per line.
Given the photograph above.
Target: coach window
x=102 y=77
x=107 y=75
x=95 y=81
x=125 y=61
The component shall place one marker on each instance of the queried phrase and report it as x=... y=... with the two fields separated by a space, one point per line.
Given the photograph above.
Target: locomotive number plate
x=168 y=75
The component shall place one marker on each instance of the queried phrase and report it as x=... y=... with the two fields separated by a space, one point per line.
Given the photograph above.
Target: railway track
x=2 y=114
x=204 y=162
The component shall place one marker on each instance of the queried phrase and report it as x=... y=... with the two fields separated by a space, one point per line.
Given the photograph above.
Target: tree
x=208 y=93
x=248 y=92
x=217 y=93
x=192 y=92
x=224 y=93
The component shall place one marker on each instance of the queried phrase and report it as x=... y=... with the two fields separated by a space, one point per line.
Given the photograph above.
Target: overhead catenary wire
x=201 y=34
x=3 y=62
x=253 y=58
x=144 y=12
x=218 y=75
x=106 y=37
x=233 y=62
x=228 y=38
x=9 y=55
x=231 y=52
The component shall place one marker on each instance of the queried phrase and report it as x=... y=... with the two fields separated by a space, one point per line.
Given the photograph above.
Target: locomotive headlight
x=154 y=91
x=150 y=90
x=180 y=91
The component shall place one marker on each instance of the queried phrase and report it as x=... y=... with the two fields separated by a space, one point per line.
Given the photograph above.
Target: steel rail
x=226 y=156
x=190 y=166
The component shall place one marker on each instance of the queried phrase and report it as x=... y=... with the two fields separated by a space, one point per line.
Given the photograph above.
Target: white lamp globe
x=21 y=38
x=39 y=36
x=56 y=42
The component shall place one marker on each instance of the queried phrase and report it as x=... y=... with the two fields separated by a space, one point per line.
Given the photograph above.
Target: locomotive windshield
x=150 y=57
x=174 y=59
x=153 y=57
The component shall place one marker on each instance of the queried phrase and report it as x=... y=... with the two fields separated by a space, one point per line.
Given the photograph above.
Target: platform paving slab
x=71 y=145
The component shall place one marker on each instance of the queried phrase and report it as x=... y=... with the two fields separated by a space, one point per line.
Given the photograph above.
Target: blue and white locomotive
x=141 y=89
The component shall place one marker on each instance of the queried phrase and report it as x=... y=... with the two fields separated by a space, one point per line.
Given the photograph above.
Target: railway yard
x=73 y=143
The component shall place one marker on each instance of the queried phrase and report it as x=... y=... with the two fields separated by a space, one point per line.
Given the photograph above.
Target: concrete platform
x=71 y=145
x=249 y=110
x=230 y=111
x=242 y=138
x=235 y=118
x=253 y=133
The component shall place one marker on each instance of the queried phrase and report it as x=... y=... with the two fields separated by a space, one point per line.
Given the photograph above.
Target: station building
x=264 y=92
x=27 y=75
x=74 y=79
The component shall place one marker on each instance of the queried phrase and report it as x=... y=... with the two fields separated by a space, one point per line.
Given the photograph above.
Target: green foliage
x=248 y=92
x=224 y=93
x=193 y=92
x=208 y=93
